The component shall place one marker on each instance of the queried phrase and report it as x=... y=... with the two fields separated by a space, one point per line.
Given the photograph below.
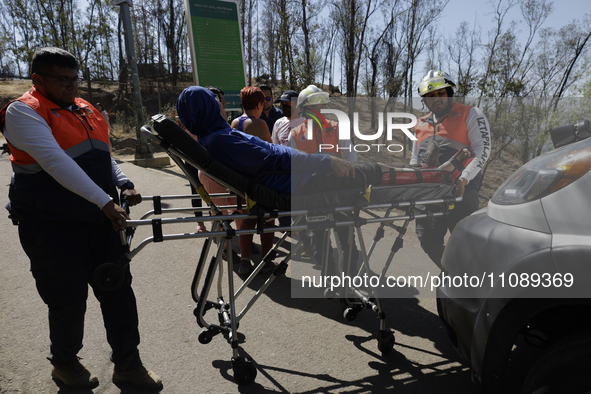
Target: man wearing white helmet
x=448 y=128
x=326 y=132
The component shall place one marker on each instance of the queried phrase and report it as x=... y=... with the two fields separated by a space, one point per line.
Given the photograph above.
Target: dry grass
x=12 y=89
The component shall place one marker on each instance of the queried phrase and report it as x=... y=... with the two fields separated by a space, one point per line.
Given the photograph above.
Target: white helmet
x=312 y=95
x=435 y=80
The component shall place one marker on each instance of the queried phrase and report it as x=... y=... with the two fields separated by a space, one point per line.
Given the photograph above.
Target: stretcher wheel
x=244 y=371
x=350 y=314
x=329 y=294
x=108 y=276
x=196 y=313
x=346 y=303
x=205 y=336
x=385 y=341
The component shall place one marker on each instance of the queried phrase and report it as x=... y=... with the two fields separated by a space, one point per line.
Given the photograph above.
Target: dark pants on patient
x=431 y=232
x=63 y=259
x=365 y=174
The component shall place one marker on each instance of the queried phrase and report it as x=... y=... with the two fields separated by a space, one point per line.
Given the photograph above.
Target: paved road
x=299 y=345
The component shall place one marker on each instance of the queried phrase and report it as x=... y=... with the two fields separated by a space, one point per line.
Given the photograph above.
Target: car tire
x=564 y=368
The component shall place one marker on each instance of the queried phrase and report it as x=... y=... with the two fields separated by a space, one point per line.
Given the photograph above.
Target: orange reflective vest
x=327 y=136
x=450 y=131
x=84 y=136
x=65 y=126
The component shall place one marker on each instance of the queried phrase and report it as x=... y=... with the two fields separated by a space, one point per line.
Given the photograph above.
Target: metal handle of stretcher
x=126 y=235
x=167 y=221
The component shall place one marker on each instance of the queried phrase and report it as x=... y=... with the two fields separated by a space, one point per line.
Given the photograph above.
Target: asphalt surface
x=298 y=345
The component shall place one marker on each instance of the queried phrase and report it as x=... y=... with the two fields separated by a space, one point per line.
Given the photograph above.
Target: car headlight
x=545 y=174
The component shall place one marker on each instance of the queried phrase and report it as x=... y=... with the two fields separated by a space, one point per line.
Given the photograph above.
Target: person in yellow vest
x=326 y=132
x=64 y=197
x=445 y=130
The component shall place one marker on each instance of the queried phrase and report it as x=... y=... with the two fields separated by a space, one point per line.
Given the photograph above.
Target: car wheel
x=564 y=368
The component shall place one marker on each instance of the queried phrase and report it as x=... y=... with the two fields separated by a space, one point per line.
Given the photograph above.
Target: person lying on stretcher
x=300 y=172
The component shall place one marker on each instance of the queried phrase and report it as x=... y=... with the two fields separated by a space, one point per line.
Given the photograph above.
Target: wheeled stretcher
x=316 y=212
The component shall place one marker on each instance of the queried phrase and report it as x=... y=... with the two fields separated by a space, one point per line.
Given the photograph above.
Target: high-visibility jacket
x=327 y=135
x=450 y=132
x=84 y=136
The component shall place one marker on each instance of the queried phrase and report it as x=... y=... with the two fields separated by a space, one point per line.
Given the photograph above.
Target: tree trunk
x=173 y=54
x=308 y=66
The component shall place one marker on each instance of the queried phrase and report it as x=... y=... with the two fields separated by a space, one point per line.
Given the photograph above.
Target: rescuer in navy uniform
x=447 y=129
x=64 y=197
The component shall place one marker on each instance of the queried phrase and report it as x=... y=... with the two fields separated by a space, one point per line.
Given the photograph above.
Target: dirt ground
x=10 y=89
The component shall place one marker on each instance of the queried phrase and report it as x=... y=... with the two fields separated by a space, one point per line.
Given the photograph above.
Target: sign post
x=217 y=54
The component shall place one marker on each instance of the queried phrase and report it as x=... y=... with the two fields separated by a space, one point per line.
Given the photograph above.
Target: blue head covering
x=200 y=112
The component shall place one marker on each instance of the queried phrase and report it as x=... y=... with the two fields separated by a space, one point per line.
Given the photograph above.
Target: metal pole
x=142 y=149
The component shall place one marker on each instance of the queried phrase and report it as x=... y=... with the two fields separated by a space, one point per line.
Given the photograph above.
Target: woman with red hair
x=252 y=100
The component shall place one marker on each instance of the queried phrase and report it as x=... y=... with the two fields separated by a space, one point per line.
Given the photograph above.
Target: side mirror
x=565 y=135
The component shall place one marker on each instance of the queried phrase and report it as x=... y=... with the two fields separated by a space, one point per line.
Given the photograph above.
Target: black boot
x=132 y=371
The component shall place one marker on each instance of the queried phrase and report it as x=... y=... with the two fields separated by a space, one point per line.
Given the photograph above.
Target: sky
x=480 y=11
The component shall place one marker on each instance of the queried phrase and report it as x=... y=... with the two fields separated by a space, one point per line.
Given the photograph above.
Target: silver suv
x=521 y=317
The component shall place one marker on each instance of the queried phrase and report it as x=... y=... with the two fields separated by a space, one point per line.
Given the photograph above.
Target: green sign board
x=216 y=47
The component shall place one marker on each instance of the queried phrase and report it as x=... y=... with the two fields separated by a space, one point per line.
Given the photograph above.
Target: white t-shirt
x=283 y=127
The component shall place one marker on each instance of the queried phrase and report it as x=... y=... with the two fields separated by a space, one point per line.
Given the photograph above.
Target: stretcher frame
x=353 y=300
